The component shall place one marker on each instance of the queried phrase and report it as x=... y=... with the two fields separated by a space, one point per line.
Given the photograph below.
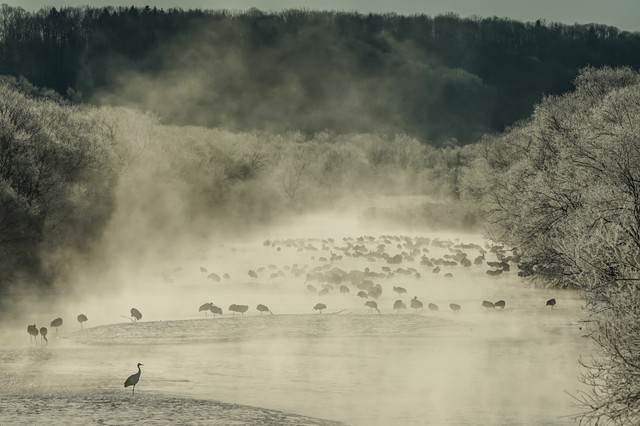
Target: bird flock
x=402 y=258
x=403 y=263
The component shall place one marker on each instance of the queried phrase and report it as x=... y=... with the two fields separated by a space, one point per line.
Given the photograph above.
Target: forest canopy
x=441 y=79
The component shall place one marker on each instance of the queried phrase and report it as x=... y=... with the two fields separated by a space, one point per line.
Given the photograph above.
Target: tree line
x=564 y=187
x=79 y=183
x=441 y=79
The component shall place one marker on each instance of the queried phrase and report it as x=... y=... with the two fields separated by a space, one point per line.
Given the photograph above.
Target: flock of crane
x=42 y=331
x=328 y=276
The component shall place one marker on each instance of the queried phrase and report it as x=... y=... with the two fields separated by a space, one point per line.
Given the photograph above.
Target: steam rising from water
x=475 y=366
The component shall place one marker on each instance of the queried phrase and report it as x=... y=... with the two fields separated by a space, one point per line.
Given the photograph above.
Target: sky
x=624 y=14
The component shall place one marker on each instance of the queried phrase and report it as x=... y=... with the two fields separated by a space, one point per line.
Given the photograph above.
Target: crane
x=133 y=379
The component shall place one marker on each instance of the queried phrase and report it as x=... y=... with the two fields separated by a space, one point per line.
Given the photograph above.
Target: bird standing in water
x=33 y=332
x=132 y=380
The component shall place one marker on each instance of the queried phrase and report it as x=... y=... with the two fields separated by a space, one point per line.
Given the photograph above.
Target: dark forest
x=443 y=79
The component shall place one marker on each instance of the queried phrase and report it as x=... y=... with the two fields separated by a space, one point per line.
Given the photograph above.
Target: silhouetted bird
x=203 y=269
x=253 y=274
x=399 y=304
x=371 y=305
x=551 y=302
x=136 y=314
x=33 y=333
x=133 y=379
x=488 y=304
x=433 y=307
x=215 y=310
x=233 y=308
x=215 y=277
x=56 y=323
x=320 y=307
x=82 y=318
x=206 y=307
x=363 y=294
x=415 y=303
x=399 y=290
x=499 y=304
x=43 y=333
x=454 y=307
x=263 y=309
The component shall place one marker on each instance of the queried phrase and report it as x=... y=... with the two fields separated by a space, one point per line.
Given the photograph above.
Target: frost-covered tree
x=564 y=187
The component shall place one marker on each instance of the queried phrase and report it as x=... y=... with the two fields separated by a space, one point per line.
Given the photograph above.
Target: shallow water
x=476 y=366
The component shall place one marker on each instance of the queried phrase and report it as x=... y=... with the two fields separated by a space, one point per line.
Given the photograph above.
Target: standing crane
x=132 y=380
x=82 y=318
x=215 y=310
x=33 y=332
x=56 y=323
x=136 y=314
x=205 y=307
x=43 y=333
x=320 y=307
x=263 y=308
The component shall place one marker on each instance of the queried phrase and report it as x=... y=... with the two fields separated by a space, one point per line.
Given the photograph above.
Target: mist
x=195 y=182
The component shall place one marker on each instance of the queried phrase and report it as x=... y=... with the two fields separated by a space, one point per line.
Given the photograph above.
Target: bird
x=213 y=276
x=33 y=332
x=206 y=307
x=371 y=305
x=399 y=290
x=499 y=304
x=136 y=314
x=203 y=269
x=487 y=304
x=320 y=307
x=252 y=274
x=43 y=333
x=56 y=323
x=82 y=318
x=262 y=308
x=415 y=303
x=363 y=294
x=454 y=307
x=215 y=310
x=399 y=304
x=551 y=302
x=132 y=380
x=433 y=307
